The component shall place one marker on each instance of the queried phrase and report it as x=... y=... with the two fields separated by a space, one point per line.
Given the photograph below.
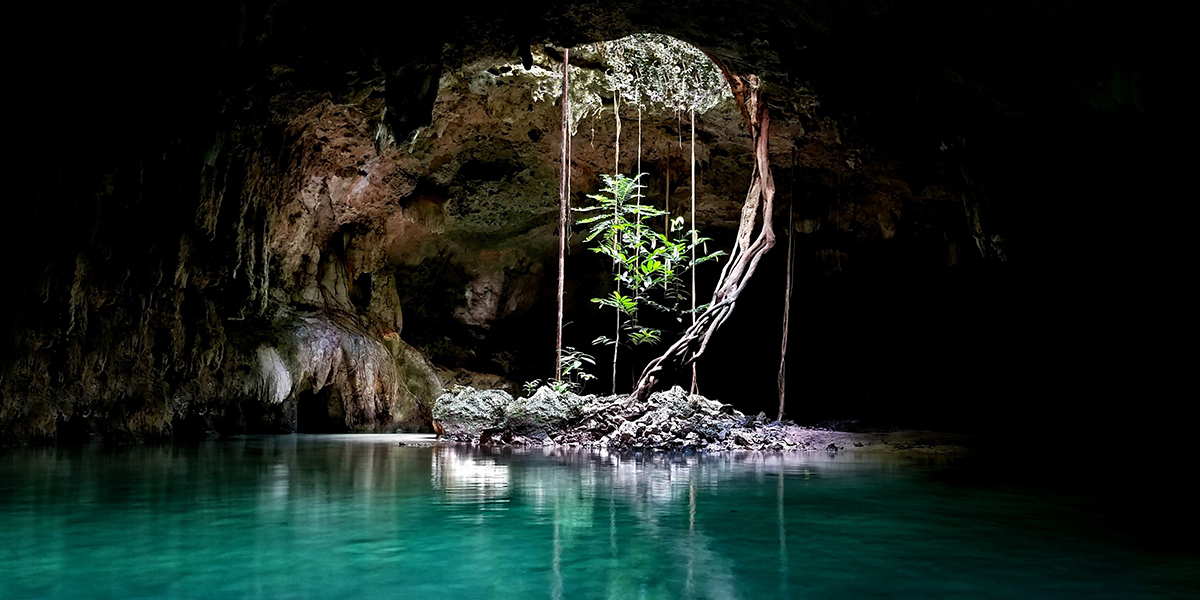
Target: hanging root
x=756 y=214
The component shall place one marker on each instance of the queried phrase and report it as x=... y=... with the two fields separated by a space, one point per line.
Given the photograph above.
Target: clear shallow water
x=361 y=517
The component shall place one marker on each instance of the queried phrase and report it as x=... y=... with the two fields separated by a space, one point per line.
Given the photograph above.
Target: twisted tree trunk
x=747 y=251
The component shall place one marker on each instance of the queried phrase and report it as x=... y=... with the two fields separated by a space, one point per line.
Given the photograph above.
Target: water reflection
x=465 y=478
x=645 y=496
x=360 y=516
x=783 y=556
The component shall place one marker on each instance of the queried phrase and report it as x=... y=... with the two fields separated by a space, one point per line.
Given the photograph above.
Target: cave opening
x=653 y=82
x=361 y=289
x=320 y=412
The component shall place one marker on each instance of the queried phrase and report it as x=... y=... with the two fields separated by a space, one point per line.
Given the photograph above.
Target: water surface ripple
x=362 y=517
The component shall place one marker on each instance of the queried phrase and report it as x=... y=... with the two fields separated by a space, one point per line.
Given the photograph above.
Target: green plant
x=572 y=366
x=647 y=263
x=559 y=386
x=574 y=378
x=532 y=386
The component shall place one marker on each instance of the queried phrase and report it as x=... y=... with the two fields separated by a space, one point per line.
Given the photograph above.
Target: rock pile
x=670 y=420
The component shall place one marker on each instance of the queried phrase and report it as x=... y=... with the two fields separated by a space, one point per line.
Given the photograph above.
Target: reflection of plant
x=646 y=261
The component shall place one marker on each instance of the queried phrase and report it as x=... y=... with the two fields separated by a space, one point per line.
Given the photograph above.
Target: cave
x=263 y=218
x=286 y=178
x=319 y=412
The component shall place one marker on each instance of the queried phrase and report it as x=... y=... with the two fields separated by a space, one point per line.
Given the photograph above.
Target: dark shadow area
x=1136 y=469
x=360 y=291
x=1074 y=343
x=320 y=412
x=262 y=417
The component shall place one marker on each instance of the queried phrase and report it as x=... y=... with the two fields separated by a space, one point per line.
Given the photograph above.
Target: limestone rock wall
x=275 y=222
x=267 y=308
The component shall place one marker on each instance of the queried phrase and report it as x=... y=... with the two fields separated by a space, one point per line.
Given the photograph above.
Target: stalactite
x=181 y=266
x=265 y=281
x=78 y=310
x=214 y=181
x=240 y=235
x=249 y=248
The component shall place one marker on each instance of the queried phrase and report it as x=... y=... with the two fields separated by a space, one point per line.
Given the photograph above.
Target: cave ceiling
x=262 y=202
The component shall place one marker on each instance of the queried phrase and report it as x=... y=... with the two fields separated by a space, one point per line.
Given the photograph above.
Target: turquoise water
x=361 y=517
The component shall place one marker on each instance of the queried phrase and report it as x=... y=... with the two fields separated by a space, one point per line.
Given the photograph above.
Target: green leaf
x=604 y=341
x=650 y=266
x=646 y=336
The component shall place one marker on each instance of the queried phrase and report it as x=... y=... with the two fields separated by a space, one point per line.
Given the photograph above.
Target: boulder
x=544 y=409
x=468 y=411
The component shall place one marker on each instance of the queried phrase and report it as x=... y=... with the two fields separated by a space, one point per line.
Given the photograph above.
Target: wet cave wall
x=252 y=217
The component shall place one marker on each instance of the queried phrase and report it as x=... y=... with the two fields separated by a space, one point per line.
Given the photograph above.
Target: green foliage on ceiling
x=658 y=73
x=655 y=73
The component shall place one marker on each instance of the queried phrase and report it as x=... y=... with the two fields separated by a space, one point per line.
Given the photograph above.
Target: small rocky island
x=671 y=420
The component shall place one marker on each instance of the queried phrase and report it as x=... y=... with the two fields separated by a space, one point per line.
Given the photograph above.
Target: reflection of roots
x=744 y=258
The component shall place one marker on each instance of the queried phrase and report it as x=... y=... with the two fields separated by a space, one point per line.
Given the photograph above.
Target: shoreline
x=910 y=442
x=670 y=420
